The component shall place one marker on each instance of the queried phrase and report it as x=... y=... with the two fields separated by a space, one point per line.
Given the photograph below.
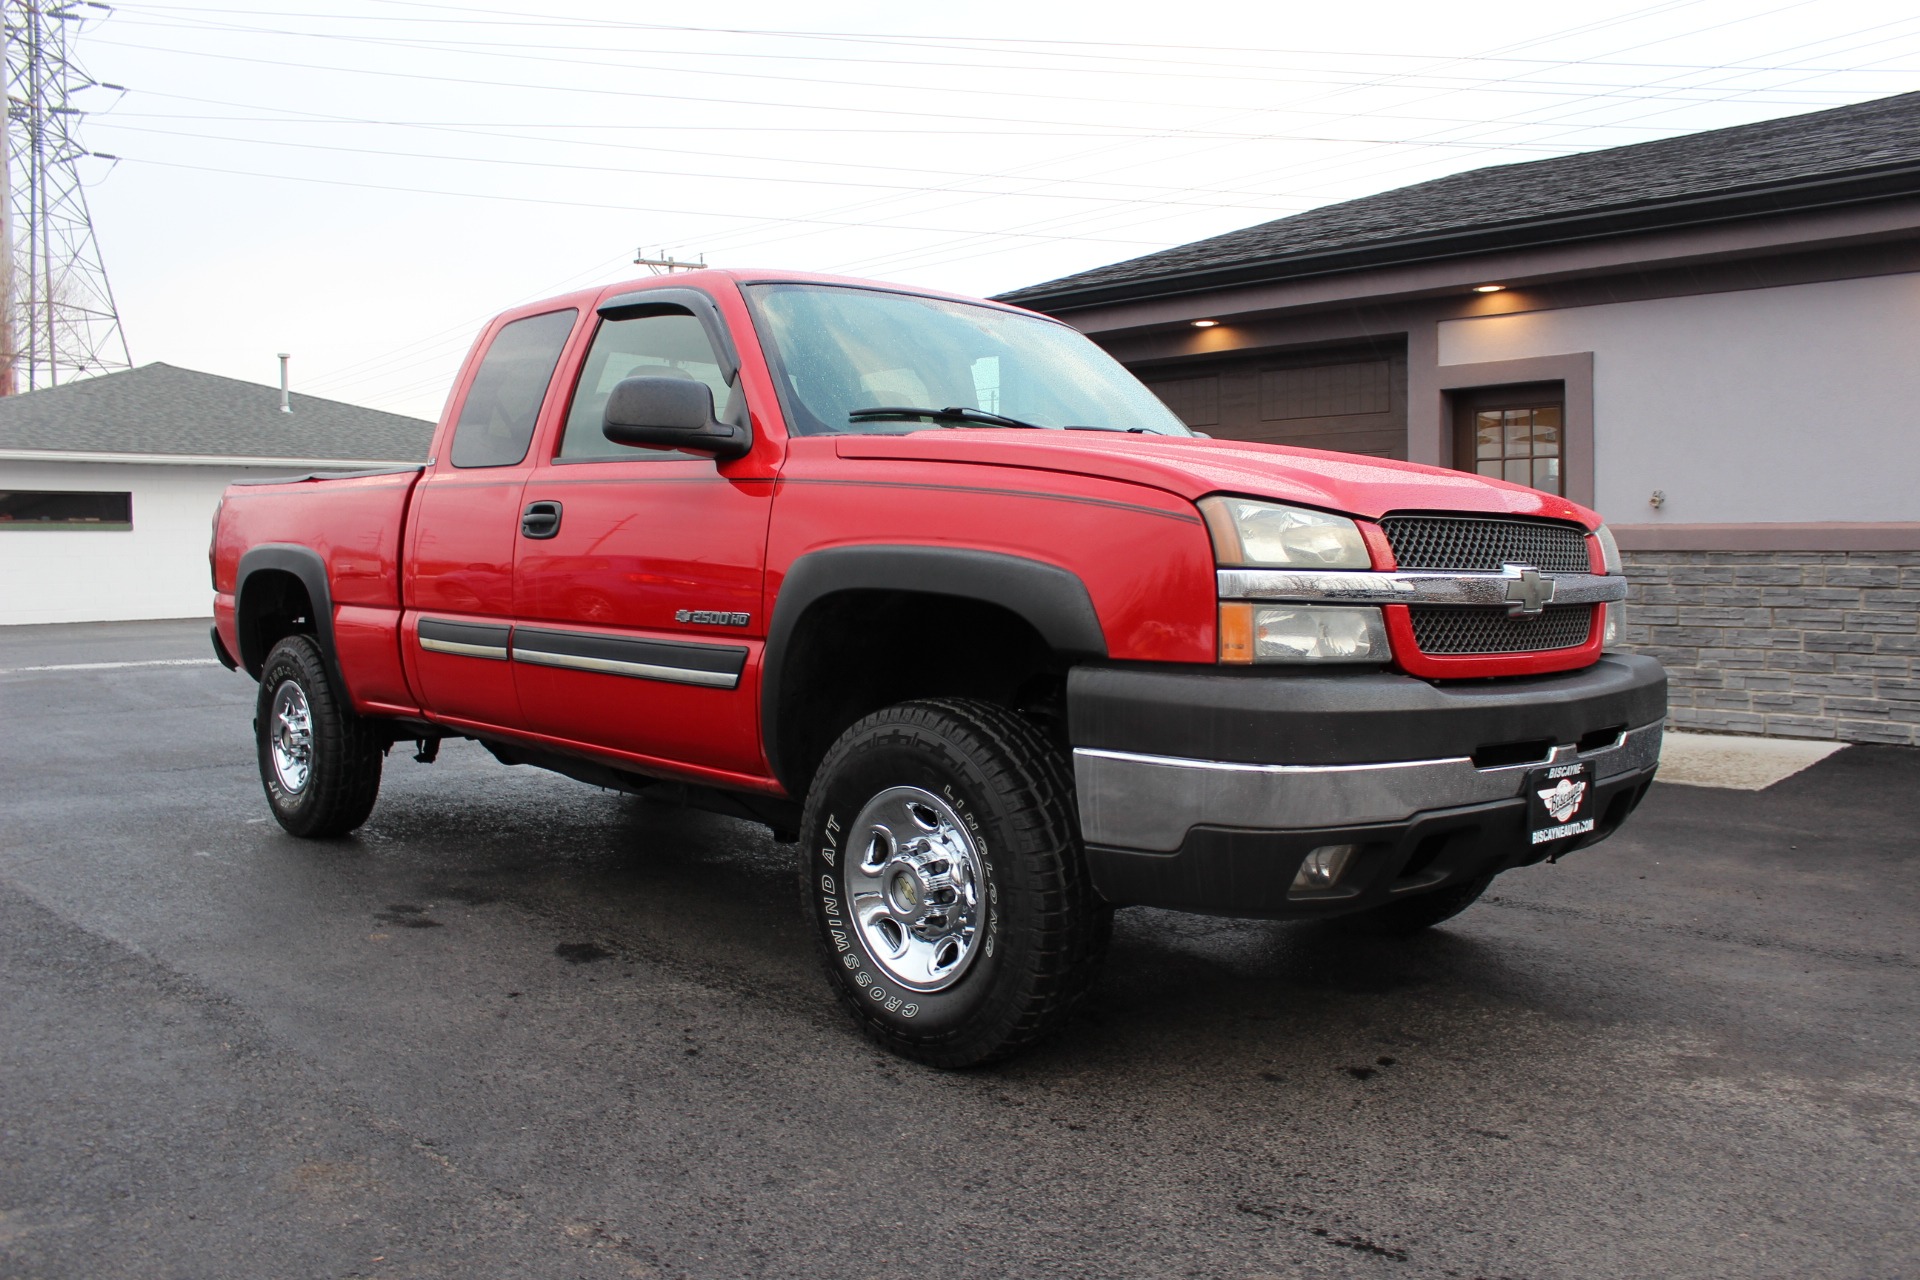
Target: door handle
x=540 y=520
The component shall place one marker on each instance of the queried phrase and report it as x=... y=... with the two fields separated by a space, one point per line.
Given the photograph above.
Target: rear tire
x=319 y=762
x=1411 y=915
x=944 y=879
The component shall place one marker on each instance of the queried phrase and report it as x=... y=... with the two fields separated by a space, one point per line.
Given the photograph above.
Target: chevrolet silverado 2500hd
x=934 y=586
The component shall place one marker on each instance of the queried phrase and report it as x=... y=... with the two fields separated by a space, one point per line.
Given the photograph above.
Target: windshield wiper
x=953 y=413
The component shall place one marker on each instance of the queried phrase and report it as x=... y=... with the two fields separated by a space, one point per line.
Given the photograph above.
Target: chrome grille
x=1479 y=543
x=1454 y=629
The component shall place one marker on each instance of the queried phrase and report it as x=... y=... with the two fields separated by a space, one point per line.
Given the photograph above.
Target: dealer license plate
x=1560 y=801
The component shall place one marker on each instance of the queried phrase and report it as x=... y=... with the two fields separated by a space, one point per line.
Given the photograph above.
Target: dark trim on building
x=1782 y=536
x=1763 y=200
x=1793 y=249
x=1430 y=425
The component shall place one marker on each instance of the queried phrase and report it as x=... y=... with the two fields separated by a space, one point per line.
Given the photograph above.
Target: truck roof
x=590 y=297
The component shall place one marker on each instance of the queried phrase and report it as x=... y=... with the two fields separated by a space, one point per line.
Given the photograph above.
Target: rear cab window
x=503 y=403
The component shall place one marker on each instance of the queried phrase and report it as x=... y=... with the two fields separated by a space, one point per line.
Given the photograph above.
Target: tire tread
x=347 y=753
x=1073 y=924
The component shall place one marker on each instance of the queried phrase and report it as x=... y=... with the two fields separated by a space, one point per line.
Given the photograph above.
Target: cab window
x=657 y=346
x=503 y=404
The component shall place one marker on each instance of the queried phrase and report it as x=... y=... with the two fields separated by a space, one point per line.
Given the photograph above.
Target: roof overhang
x=1788 y=202
x=1880 y=222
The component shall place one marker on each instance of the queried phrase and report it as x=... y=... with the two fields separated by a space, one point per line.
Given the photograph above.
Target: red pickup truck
x=935 y=587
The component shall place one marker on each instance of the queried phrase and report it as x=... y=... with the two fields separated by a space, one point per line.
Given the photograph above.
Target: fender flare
x=1052 y=600
x=305 y=564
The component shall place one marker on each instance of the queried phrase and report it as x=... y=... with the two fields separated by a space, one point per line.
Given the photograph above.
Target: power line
x=522 y=51
x=571 y=203
x=1042 y=47
x=895 y=261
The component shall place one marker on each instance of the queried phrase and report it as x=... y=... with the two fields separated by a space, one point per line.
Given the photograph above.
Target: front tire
x=319 y=762
x=945 y=881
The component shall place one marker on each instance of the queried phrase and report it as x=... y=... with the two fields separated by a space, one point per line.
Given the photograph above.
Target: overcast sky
x=363 y=182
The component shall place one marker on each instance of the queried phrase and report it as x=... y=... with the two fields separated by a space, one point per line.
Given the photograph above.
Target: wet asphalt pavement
x=520 y=1027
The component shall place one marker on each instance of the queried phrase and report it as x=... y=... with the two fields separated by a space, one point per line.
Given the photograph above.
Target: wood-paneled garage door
x=1352 y=399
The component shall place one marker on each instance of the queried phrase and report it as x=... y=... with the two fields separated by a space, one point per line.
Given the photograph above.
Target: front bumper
x=1257 y=770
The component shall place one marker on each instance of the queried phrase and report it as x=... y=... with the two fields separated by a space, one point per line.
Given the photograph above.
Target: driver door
x=638 y=590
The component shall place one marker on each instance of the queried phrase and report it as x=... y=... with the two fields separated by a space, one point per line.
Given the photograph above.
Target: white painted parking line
x=112 y=666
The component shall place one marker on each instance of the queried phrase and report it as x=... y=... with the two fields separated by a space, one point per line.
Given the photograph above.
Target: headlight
x=1246 y=532
x=1609 y=550
x=1301 y=633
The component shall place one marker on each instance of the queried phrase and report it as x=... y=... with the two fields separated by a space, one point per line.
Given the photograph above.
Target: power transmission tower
x=59 y=313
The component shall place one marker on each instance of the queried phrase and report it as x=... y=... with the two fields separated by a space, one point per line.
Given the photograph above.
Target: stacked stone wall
x=1796 y=644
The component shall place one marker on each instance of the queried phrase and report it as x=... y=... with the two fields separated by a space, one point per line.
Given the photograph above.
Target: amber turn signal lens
x=1236 y=632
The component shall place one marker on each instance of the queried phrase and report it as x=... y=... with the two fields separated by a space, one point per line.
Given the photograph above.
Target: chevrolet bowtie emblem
x=1528 y=594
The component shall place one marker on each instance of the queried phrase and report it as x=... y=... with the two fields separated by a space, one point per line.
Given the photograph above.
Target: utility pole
x=667 y=264
x=59 y=317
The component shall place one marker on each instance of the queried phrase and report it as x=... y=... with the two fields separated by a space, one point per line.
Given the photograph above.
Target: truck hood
x=1194 y=468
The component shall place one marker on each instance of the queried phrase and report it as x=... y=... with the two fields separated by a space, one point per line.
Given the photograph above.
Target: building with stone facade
x=1714 y=339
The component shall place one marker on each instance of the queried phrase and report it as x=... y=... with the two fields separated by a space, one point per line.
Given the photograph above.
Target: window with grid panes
x=1516 y=434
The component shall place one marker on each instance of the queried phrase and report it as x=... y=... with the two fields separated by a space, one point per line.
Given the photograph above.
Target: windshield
x=837 y=351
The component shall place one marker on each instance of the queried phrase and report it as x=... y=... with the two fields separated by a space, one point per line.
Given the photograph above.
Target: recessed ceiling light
x=1205 y=324
x=1488 y=288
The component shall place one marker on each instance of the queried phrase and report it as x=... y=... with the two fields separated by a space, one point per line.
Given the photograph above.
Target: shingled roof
x=1846 y=155
x=160 y=410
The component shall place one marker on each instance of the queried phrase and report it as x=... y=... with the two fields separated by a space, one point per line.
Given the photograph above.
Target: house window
x=64 y=509
x=1513 y=433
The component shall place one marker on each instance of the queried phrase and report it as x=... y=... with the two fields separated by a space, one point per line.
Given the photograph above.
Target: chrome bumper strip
x=1412 y=587
x=1146 y=802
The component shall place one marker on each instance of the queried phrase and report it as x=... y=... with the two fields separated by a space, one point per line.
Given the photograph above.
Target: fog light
x=1610 y=628
x=1323 y=867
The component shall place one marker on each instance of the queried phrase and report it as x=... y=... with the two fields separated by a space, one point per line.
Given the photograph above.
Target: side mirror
x=671 y=413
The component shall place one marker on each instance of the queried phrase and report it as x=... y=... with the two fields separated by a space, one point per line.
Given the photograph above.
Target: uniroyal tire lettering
x=839 y=939
x=851 y=961
x=831 y=906
x=893 y=1004
x=909 y=1010
x=863 y=978
x=826 y=884
x=879 y=992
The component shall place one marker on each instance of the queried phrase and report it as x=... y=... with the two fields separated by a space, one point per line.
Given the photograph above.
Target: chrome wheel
x=913 y=881
x=290 y=736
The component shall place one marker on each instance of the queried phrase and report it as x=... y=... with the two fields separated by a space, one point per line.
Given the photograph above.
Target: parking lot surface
x=521 y=1027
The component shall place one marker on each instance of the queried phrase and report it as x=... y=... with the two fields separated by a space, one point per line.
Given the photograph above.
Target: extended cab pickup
x=934 y=586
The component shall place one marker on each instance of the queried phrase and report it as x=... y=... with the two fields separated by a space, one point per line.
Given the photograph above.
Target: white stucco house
x=108 y=486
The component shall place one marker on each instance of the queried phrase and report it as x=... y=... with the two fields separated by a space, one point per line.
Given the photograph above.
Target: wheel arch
x=1040 y=606
x=276 y=587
